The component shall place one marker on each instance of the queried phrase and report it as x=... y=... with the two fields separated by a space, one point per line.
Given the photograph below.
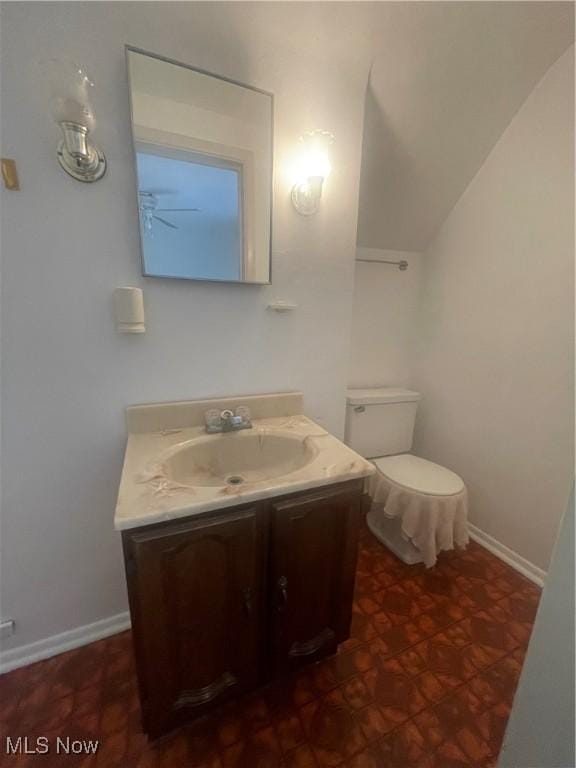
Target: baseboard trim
x=513 y=559
x=65 y=641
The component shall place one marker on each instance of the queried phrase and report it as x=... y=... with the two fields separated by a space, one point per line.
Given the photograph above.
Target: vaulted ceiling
x=446 y=80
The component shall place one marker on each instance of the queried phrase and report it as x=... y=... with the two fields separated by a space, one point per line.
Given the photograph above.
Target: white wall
x=67 y=376
x=383 y=319
x=446 y=80
x=540 y=731
x=495 y=357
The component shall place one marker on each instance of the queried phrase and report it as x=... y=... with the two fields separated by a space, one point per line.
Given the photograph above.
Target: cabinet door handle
x=247 y=594
x=283 y=592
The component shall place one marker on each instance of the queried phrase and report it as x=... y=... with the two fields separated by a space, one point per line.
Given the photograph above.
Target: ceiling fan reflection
x=149 y=210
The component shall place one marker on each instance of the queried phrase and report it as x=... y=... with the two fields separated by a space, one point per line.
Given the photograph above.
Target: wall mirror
x=203 y=148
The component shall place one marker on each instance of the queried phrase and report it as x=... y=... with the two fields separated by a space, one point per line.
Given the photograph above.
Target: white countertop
x=147 y=495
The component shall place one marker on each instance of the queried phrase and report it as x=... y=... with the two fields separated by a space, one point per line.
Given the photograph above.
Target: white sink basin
x=235 y=458
x=173 y=469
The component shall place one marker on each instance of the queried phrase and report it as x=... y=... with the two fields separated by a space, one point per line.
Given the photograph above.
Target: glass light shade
x=311 y=169
x=70 y=89
x=315 y=154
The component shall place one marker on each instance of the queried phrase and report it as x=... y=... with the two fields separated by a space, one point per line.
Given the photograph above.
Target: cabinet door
x=313 y=562
x=196 y=603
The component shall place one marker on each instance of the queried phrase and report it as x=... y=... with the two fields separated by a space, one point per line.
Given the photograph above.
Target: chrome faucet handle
x=227 y=420
x=212 y=417
x=243 y=412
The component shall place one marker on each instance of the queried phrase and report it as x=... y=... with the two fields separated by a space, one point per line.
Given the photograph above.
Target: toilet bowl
x=418 y=507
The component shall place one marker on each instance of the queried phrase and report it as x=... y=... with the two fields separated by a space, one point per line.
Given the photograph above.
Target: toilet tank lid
x=381 y=395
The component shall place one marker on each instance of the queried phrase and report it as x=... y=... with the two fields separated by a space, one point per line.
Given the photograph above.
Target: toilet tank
x=380 y=422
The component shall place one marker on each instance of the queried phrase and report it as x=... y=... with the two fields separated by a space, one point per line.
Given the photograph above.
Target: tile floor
x=426 y=681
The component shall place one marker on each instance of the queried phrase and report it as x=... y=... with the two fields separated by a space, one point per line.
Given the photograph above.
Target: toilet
x=418 y=508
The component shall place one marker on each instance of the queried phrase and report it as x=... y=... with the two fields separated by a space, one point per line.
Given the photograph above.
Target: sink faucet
x=227 y=420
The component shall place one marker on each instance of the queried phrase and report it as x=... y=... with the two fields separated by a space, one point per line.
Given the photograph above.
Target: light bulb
x=311 y=169
x=315 y=158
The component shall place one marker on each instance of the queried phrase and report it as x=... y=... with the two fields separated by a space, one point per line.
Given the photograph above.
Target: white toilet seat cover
x=420 y=475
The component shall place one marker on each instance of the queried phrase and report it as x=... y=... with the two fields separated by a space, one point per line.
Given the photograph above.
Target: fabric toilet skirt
x=431 y=524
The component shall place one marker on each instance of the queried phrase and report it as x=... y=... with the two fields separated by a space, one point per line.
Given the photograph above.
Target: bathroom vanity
x=234 y=584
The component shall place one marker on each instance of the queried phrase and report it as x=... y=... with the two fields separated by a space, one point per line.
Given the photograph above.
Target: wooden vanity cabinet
x=223 y=602
x=196 y=591
x=313 y=545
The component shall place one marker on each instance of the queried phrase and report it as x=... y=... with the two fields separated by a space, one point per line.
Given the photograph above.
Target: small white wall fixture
x=129 y=310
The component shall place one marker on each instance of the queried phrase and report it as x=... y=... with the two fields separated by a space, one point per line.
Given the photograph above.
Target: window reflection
x=190 y=216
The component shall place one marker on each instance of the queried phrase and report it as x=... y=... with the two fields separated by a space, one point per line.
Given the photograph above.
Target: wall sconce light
x=313 y=168
x=72 y=110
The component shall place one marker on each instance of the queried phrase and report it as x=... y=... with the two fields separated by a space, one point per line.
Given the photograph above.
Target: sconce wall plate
x=91 y=170
x=306 y=195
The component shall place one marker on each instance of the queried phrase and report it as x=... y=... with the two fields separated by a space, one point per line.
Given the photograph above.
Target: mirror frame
x=133 y=49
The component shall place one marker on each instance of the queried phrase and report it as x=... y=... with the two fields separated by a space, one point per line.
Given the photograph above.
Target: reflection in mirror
x=204 y=164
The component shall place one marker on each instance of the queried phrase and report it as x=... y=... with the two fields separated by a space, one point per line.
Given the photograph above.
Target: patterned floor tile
x=260 y=750
x=368 y=758
x=426 y=680
x=492 y=725
x=332 y=729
